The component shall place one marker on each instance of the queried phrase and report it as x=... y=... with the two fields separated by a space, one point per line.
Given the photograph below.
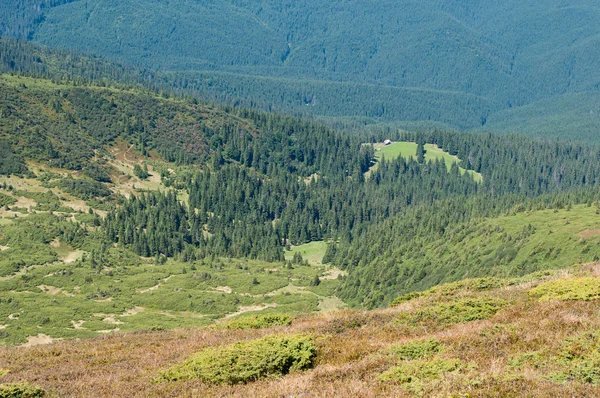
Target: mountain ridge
x=514 y=55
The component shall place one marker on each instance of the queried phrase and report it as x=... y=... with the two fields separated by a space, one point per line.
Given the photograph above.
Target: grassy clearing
x=47 y=286
x=312 y=252
x=408 y=150
x=173 y=295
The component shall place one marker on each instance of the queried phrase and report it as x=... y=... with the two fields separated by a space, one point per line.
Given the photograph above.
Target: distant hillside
x=455 y=62
x=424 y=248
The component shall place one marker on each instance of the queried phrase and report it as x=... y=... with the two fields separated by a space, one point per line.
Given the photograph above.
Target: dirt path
x=73 y=256
x=251 y=308
x=78 y=324
x=333 y=273
x=155 y=287
x=125 y=154
x=589 y=233
x=53 y=291
x=39 y=340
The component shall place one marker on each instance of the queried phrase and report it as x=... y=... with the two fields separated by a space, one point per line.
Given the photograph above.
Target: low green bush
x=248 y=361
x=6 y=200
x=418 y=349
x=568 y=289
x=21 y=390
x=415 y=375
x=450 y=289
x=258 y=322
x=580 y=359
x=465 y=309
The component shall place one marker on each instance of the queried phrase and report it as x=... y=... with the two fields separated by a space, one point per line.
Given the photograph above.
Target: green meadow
x=408 y=150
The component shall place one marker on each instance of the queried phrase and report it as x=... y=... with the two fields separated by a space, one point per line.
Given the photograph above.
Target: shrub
x=580 y=359
x=6 y=200
x=418 y=349
x=21 y=390
x=466 y=309
x=141 y=173
x=84 y=189
x=343 y=322
x=245 y=362
x=450 y=289
x=258 y=322
x=416 y=374
x=568 y=289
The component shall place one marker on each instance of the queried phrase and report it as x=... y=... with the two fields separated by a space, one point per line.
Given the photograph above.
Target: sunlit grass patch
x=312 y=252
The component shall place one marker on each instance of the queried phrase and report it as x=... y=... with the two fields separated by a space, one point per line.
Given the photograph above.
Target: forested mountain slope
x=454 y=62
x=453 y=240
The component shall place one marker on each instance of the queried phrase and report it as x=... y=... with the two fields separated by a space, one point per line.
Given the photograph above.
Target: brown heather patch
x=589 y=233
x=353 y=350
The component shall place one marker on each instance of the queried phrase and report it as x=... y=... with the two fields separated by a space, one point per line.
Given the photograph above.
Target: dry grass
x=353 y=351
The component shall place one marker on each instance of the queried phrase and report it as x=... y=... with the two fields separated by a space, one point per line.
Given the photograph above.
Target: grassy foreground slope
x=535 y=336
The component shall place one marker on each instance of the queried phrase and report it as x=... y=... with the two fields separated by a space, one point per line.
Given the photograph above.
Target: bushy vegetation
x=440 y=292
x=576 y=359
x=272 y=356
x=258 y=322
x=461 y=310
x=84 y=189
x=416 y=349
x=416 y=374
x=21 y=390
x=6 y=200
x=580 y=358
x=568 y=289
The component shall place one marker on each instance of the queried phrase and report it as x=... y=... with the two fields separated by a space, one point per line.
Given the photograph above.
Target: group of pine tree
x=257 y=181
